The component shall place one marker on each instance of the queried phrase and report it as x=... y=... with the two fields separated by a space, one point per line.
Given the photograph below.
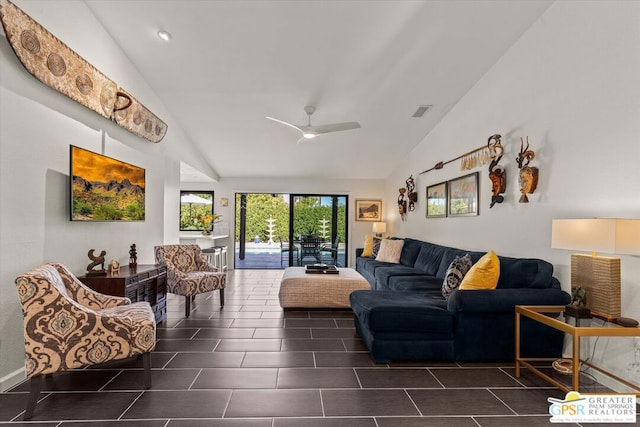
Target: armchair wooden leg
x=187 y=306
x=146 y=361
x=34 y=393
x=221 y=297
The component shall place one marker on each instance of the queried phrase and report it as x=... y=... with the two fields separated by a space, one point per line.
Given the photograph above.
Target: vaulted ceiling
x=229 y=64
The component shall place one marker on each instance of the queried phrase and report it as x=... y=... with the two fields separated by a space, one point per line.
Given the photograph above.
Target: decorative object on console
x=528 y=174
x=133 y=257
x=598 y=275
x=497 y=173
x=53 y=63
x=462 y=195
x=96 y=261
x=105 y=189
x=114 y=267
x=369 y=210
x=379 y=228
x=578 y=307
x=412 y=195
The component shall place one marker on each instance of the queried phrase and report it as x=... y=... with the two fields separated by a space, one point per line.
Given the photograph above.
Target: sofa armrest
x=503 y=300
x=359 y=252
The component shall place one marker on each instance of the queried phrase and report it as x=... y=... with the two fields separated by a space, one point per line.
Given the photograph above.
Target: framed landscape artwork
x=462 y=195
x=437 y=200
x=368 y=210
x=105 y=189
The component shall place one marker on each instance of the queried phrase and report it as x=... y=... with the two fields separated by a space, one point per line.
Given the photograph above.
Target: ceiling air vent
x=421 y=110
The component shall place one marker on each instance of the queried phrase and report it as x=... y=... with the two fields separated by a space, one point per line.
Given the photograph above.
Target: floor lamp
x=598 y=275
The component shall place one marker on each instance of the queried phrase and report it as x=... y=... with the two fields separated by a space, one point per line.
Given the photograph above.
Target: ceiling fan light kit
x=309 y=131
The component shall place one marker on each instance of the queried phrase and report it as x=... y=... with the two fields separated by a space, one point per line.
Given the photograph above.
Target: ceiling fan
x=309 y=131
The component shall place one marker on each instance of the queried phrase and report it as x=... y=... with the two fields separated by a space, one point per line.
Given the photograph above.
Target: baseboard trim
x=12 y=379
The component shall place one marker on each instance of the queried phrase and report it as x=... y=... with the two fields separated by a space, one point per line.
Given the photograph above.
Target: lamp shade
x=608 y=235
x=379 y=227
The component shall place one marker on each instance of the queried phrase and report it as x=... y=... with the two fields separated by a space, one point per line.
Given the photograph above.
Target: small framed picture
x=462 y=195
x=368 y=210
x=437 y=200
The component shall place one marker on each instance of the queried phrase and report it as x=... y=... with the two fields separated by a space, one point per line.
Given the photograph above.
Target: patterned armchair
x=67 y=325
x=189 y=273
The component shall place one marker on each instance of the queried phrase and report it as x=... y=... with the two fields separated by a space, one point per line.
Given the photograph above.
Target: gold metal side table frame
x=537 y=313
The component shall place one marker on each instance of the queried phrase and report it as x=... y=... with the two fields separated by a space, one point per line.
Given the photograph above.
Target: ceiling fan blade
x=286 y=124
x=336 y=127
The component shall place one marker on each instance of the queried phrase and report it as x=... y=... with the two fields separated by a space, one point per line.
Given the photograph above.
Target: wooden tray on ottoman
x=301 y=290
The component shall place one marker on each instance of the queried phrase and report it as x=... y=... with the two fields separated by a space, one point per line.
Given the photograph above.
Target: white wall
x=37 y=126
x=572 y=85
x=354 y=189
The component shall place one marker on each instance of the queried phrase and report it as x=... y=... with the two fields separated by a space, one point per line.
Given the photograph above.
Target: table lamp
x=379 y=228
x=599 y=276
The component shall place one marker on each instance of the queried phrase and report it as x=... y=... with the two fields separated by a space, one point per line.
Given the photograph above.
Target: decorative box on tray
x=321 y=269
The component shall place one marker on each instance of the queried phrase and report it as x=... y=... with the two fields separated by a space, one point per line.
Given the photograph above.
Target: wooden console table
x=145 y=283
x=604 y=329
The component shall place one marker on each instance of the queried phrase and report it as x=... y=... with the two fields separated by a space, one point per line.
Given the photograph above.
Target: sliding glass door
x=281 y=230
x=319 y=229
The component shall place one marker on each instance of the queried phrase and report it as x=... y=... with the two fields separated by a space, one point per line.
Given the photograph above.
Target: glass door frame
x=334 y=221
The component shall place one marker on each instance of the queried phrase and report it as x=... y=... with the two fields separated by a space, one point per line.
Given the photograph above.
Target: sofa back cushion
x=524 y=273
x=430 y=257
x=410 y=251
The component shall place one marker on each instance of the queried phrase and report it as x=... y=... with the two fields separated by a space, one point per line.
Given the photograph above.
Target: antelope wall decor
x=528 y=174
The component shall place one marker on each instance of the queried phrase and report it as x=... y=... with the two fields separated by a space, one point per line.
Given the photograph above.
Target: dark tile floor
x=251 y=364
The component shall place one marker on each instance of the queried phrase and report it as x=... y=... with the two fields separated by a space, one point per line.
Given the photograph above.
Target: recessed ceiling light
x=164 y=35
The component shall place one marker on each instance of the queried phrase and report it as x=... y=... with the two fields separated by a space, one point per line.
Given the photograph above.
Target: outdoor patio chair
x=284 y=251
x=310 y=247
x=68 y=325
x=332 y=250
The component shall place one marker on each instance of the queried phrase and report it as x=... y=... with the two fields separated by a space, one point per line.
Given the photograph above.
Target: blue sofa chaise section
x=405 y=317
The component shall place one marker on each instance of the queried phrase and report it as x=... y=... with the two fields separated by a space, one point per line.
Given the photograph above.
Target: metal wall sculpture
x=53 y=63
x=497 y=173
x=528 y=174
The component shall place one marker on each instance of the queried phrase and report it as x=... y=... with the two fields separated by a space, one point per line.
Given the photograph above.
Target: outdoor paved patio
x=268 y=256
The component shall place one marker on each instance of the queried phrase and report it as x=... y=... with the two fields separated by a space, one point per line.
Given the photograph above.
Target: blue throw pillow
x=455 y=273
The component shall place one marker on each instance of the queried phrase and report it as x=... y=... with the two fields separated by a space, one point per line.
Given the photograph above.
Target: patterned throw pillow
x=376 y=246
x=455 y=273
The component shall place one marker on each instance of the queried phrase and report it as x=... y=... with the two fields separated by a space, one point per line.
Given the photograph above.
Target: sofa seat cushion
x=387 y=311
x=385 y=272
x=417 y=282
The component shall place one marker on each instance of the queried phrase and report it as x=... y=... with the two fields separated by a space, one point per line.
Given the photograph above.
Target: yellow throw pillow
x=368 y=245
x=484 y=274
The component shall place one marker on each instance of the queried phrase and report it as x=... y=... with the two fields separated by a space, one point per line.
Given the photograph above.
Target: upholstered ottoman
x=301 y=290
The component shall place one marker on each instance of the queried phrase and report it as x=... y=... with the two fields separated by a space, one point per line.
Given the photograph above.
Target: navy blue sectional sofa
x=405 y=317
